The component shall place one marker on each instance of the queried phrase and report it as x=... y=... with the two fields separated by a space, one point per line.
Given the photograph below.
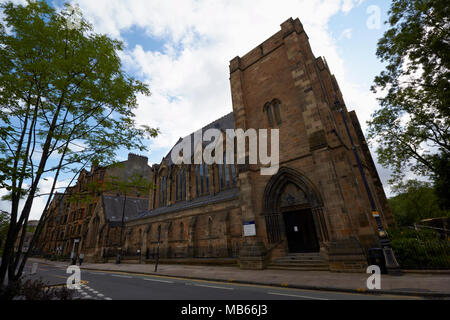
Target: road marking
x=295 y=295
x=108 y=298
x=157 y=280
x=215 y=287
x=120 y=276
x=101 y=295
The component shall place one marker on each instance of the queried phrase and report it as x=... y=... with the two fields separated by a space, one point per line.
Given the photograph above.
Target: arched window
x=207 y=178
x=169 y=230
x=210 y=225
x=227 y=171
x=234 y=174
x=181 y=231
x=276 y=109
x=197 y=178
x=220 y=168
x=183 y=184
x=201 y=168
x=273 y=112
x=177 y=186
x=268 y=109
x=158 y=235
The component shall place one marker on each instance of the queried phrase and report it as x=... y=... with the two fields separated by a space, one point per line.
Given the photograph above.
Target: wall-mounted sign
x=249 y=229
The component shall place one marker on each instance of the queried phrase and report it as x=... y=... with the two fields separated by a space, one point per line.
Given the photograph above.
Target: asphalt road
x=127 y=286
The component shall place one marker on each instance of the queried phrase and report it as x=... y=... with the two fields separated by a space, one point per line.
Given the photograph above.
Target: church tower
x=317 y=202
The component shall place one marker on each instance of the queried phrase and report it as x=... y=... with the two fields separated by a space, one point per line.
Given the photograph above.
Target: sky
x=182 y=49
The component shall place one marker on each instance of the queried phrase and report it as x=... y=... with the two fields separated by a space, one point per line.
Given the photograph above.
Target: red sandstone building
x=313 y=214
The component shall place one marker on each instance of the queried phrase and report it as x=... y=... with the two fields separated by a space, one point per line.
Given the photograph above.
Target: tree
x=4 y=225
x=415 y=200
x=64 y=103
x=411 y=128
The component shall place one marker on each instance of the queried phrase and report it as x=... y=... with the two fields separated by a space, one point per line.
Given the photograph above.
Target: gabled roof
x=223 y=123
x=225 y=195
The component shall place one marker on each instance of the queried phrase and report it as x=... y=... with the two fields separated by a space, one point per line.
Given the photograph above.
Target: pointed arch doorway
x=293 y=212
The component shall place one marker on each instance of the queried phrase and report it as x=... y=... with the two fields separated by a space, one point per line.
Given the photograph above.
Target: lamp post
x=391 y=263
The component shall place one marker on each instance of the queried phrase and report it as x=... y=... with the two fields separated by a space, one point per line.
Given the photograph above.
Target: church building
x=313 y=214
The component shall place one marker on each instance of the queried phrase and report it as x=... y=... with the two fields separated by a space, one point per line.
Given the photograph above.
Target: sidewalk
x=430 y=285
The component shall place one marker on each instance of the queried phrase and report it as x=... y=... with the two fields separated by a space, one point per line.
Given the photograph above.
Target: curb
x=287 y=285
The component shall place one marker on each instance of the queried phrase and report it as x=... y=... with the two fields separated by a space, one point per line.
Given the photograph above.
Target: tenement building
x=314 y=213
x=89 y=216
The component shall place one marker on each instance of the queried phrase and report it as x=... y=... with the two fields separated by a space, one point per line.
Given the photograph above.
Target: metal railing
x=422 y=254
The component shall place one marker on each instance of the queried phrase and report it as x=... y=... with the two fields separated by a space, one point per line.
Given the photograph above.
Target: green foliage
x=411 y=128
x=416 y=254
x=442 y=180
x=68 y=84
x=65 y=102
x=416 y=200
x=420 y=249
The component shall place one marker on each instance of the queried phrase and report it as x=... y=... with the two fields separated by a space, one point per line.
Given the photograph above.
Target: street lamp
x=391 y=263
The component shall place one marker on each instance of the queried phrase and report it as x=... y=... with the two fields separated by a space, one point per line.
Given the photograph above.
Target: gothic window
x=210 y=225
x=181 y=231
x=169 y=230
x=196 y=168
x=163 y=191
x=177 y=183
x=183 y=184
x=276 y=109
x=180 y=185
x=227 y=171
x=268 y=110
x=220 y=167
x=234 y=174
x=158 y=234
x=201 y=178
x=160 y=191
x=273 y=112
x=207 y=178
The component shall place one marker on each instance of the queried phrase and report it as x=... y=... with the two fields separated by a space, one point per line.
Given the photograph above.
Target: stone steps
x=300 y=261
x=317 y=268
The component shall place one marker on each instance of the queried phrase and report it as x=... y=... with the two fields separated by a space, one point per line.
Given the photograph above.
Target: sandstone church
x=314 y=214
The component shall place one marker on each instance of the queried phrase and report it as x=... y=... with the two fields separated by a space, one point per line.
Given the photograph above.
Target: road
x=112 y=285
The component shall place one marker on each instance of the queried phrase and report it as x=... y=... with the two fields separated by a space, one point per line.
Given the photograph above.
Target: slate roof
x=194 y=203
x=226 y=122
x=113 y=207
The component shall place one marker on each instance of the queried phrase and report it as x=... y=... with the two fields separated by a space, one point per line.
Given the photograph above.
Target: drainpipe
x=391 y=263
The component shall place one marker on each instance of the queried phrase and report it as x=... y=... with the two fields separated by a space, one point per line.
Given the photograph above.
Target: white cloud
x=39 y=202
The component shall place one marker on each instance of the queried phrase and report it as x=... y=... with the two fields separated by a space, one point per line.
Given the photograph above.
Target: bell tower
x=281 y=85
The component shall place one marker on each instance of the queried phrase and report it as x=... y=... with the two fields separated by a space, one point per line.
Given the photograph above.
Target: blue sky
x=182 y=49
